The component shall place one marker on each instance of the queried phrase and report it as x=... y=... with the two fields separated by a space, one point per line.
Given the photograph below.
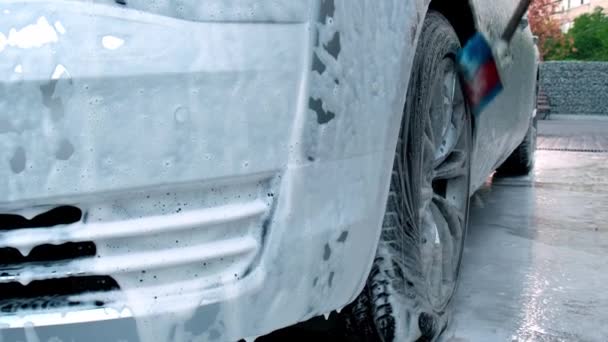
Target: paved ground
x=536 y=260
x=580 y=135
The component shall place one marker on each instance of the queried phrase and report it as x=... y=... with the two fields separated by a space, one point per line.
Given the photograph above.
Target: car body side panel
x=503 y=125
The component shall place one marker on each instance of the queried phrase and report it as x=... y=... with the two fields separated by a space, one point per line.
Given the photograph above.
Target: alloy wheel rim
x=444 y=190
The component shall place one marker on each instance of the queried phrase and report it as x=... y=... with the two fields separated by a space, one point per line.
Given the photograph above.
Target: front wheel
x=416 y=267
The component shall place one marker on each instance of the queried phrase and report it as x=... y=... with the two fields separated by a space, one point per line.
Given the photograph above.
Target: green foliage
x=589 y=38
x=557 y=48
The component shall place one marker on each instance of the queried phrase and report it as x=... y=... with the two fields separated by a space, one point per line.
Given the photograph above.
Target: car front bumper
x=184 y=138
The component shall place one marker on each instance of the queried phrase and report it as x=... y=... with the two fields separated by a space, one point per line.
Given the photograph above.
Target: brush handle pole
x=521 y=9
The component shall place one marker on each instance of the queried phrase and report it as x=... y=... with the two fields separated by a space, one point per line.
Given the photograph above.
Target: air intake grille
x=155 y=245
x=16 y=293
x=54 y=217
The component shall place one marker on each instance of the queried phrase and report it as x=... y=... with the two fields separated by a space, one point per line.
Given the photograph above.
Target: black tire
x=397 y=303
x=521 y=161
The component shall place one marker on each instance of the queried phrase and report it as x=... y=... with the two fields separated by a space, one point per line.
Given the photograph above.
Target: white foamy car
x=214 y=170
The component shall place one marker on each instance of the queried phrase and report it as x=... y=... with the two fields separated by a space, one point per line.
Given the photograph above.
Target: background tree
x=590 y=37
x=552 y=42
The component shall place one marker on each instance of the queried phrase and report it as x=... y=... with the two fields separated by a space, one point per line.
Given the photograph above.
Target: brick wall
x=576 y=87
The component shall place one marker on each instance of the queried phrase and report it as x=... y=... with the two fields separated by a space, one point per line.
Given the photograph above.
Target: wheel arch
x=461 y=16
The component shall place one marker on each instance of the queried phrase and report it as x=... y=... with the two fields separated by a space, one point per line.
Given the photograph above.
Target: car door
x=501 y=127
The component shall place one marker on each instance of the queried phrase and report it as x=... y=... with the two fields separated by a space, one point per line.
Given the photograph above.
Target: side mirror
x=535 y=40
